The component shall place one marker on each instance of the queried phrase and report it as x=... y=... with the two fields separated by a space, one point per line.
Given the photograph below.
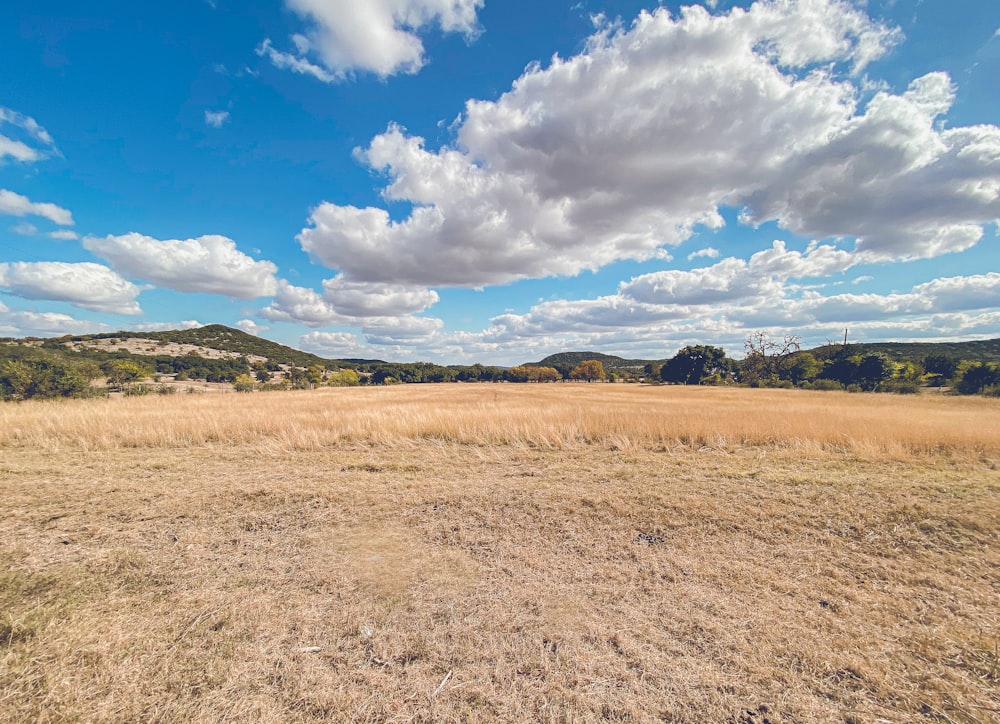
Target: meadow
x=564 y=552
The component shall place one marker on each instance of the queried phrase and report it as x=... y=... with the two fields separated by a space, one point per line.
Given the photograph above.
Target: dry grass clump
x=446 y=570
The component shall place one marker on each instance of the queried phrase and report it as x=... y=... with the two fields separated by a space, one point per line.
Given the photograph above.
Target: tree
x=651 y=371
x=693 y=364
x=123 y=373
x=799 y=367
x=977 y=377
x=873 y=370
x=590 y=370
x=314 y=375
x=243 y=383
x=762 y=354
x=345 y=378
x=943 y=367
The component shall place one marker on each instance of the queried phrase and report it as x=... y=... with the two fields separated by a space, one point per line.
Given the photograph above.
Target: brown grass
x=500 y=553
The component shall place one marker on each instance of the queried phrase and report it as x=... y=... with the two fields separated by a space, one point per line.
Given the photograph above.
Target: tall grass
x=550 y=416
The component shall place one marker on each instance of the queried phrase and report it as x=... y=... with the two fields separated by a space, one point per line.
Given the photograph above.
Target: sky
x=461 y=181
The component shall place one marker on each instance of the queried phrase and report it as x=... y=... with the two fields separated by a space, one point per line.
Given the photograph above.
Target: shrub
x=824 y=385
x=900 y=387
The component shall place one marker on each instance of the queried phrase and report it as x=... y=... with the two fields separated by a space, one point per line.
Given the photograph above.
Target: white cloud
x=166 y=326
x=341 y=345
x=547 y=181
x=287 y=61
x=85 y=285
x=251 y=327
x=29 y=323
x=210 y=264
x=368 y=299
x=63 y=235
x=35 y=142
x=377 y=36
x=385 y=317
x=25 y=229
x=216 y=119
x=17 y=205
x=706 y=253
x=629 y=146
x=302 y=306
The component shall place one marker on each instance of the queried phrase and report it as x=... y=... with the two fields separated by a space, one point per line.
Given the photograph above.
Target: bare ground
x=429 y=580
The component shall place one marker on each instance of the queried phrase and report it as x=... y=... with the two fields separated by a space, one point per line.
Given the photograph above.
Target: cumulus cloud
x=85 y=285
x=629 y=146
x=63 y=235
x=367 y=299
x=251 y=327
x=30 y=323
x=706 y=253
x=340 y=345
x=32 y=143
x=210 y=264
x=385 y=316
x=216 y=119
x=17 y=205
x=377 y=36
x=302 y=306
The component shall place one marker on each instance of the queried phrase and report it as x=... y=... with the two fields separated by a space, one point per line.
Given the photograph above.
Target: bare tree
x=762 y=354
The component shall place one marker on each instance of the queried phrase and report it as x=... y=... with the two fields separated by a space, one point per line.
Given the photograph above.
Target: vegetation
x=590 y=370
x=698 y=365
x=501 y=553
x=69 y=366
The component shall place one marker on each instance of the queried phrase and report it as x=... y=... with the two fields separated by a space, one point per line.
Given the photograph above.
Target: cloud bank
x=627 y=148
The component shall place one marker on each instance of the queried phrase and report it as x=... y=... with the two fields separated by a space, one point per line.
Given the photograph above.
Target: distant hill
x=608 y=361
x=227 y=341
x=977 y=351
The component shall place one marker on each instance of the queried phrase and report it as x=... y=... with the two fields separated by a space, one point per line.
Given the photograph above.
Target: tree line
x=48 y=371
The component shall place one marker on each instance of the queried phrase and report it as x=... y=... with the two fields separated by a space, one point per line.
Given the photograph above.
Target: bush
x=243 y=383
x=900 y=387
x=824 y=385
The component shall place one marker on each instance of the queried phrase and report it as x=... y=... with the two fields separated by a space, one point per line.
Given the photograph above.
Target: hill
x=609 y=361
x=987 y=350
x=211 y=341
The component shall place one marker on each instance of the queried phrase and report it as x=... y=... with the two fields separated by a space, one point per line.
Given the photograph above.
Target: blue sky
x=473 y=180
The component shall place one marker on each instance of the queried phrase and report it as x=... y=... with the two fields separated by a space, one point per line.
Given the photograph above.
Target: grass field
x=501 y=553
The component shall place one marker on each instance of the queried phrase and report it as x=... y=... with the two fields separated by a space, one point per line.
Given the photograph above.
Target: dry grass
x=548 y=416
x=500 y=553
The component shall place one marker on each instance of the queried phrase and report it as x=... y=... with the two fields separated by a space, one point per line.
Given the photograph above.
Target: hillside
x=609 y=361
x=214 y=341
x=987 y=350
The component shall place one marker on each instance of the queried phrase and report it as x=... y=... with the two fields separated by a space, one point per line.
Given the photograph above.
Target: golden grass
x=550 y=416
x=500 y=553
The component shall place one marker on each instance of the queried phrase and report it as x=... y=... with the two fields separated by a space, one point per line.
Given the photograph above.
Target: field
x=465 y=553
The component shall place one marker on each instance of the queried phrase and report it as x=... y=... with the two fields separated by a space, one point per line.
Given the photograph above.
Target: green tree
x=345 y=378
x=873 y=370
x=977 y=377
x=590 y=370
x=243 y=383
x=123 y=373
x=799 y=367
x=314 y=375
x=693 y=364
